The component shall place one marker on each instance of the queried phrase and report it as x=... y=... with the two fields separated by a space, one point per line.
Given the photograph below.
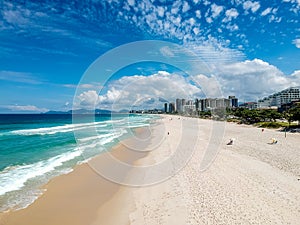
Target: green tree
x=292 y=114
x=295 y=113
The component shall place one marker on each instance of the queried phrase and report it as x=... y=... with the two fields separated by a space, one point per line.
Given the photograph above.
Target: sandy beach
x=249 y=182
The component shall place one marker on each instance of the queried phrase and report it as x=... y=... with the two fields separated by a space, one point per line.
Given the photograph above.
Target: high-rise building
x=178 y=105
x=234 y=102
x=197 y=104
x=190 y=107
x=166 y=107
x=172 y=107
x=183 y=103
x=190 y=102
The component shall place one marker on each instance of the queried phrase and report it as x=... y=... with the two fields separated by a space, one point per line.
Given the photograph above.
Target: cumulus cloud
x=198 y=14
x=131 y=2
x=139 y=91
x=185 y=7
x=210 y=86
x=161 y=11
x=249 y=5
x=230 y=14
x=213 y=13
x=252 y=79
x=296 y=42
x=88 y=99
x=28 y=108
x=216 y=10
x=296 y=74
x=249 y=80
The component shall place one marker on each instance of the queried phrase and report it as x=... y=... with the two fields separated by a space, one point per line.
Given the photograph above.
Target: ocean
x=36 y=148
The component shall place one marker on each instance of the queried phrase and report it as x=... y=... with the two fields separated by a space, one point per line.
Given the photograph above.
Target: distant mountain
x=103 y=111
x=56 y=112
x=123 y=111
x=85 y=111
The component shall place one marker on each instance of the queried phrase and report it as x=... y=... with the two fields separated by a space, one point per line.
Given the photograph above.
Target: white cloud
x=185 y=7
x=249 y=80
x=206 y=2
x=230 y=14
x=209 y=20
x=160 y=11
x=186 y=27
x=232 y=27
x=296 y=42
x=266 y=11
x=88 y=99
x=210 y=87
x=296 y=74
x=136 y=90
x=213 y=52
x=196 y=30
x=216 y=10
x=131 y=2
x=15 y=17
x=252 y=79
x=28 y=108
x=275 y=19
x=253 y=6
x=166 y=51
x=198 y=14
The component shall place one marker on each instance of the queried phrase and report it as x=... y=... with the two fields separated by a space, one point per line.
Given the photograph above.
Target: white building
x=280 y=98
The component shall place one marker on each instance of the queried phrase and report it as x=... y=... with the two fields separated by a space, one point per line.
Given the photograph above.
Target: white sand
x=250 y=182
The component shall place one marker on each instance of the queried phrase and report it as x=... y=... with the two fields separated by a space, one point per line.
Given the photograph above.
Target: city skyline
x=250 y=47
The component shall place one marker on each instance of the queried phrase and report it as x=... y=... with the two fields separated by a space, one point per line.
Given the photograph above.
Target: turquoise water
x=36 y=148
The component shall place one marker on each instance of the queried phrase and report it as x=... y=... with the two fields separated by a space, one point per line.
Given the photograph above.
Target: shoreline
x=81 y=173
x=249 y=181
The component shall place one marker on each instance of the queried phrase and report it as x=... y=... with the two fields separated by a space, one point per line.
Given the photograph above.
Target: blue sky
x=253 y=47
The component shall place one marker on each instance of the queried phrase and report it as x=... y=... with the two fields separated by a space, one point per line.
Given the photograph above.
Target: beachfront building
x=179 y=105
x=281 y=98
x=166 y=108
x=197 y=104
x=191 y=107
x=214 y=103
x=249 y=105
x=289 y=95
x=234 y=102
x=172 y=107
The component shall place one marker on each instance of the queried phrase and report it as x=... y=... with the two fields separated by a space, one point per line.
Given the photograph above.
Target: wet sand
x=83 y=196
